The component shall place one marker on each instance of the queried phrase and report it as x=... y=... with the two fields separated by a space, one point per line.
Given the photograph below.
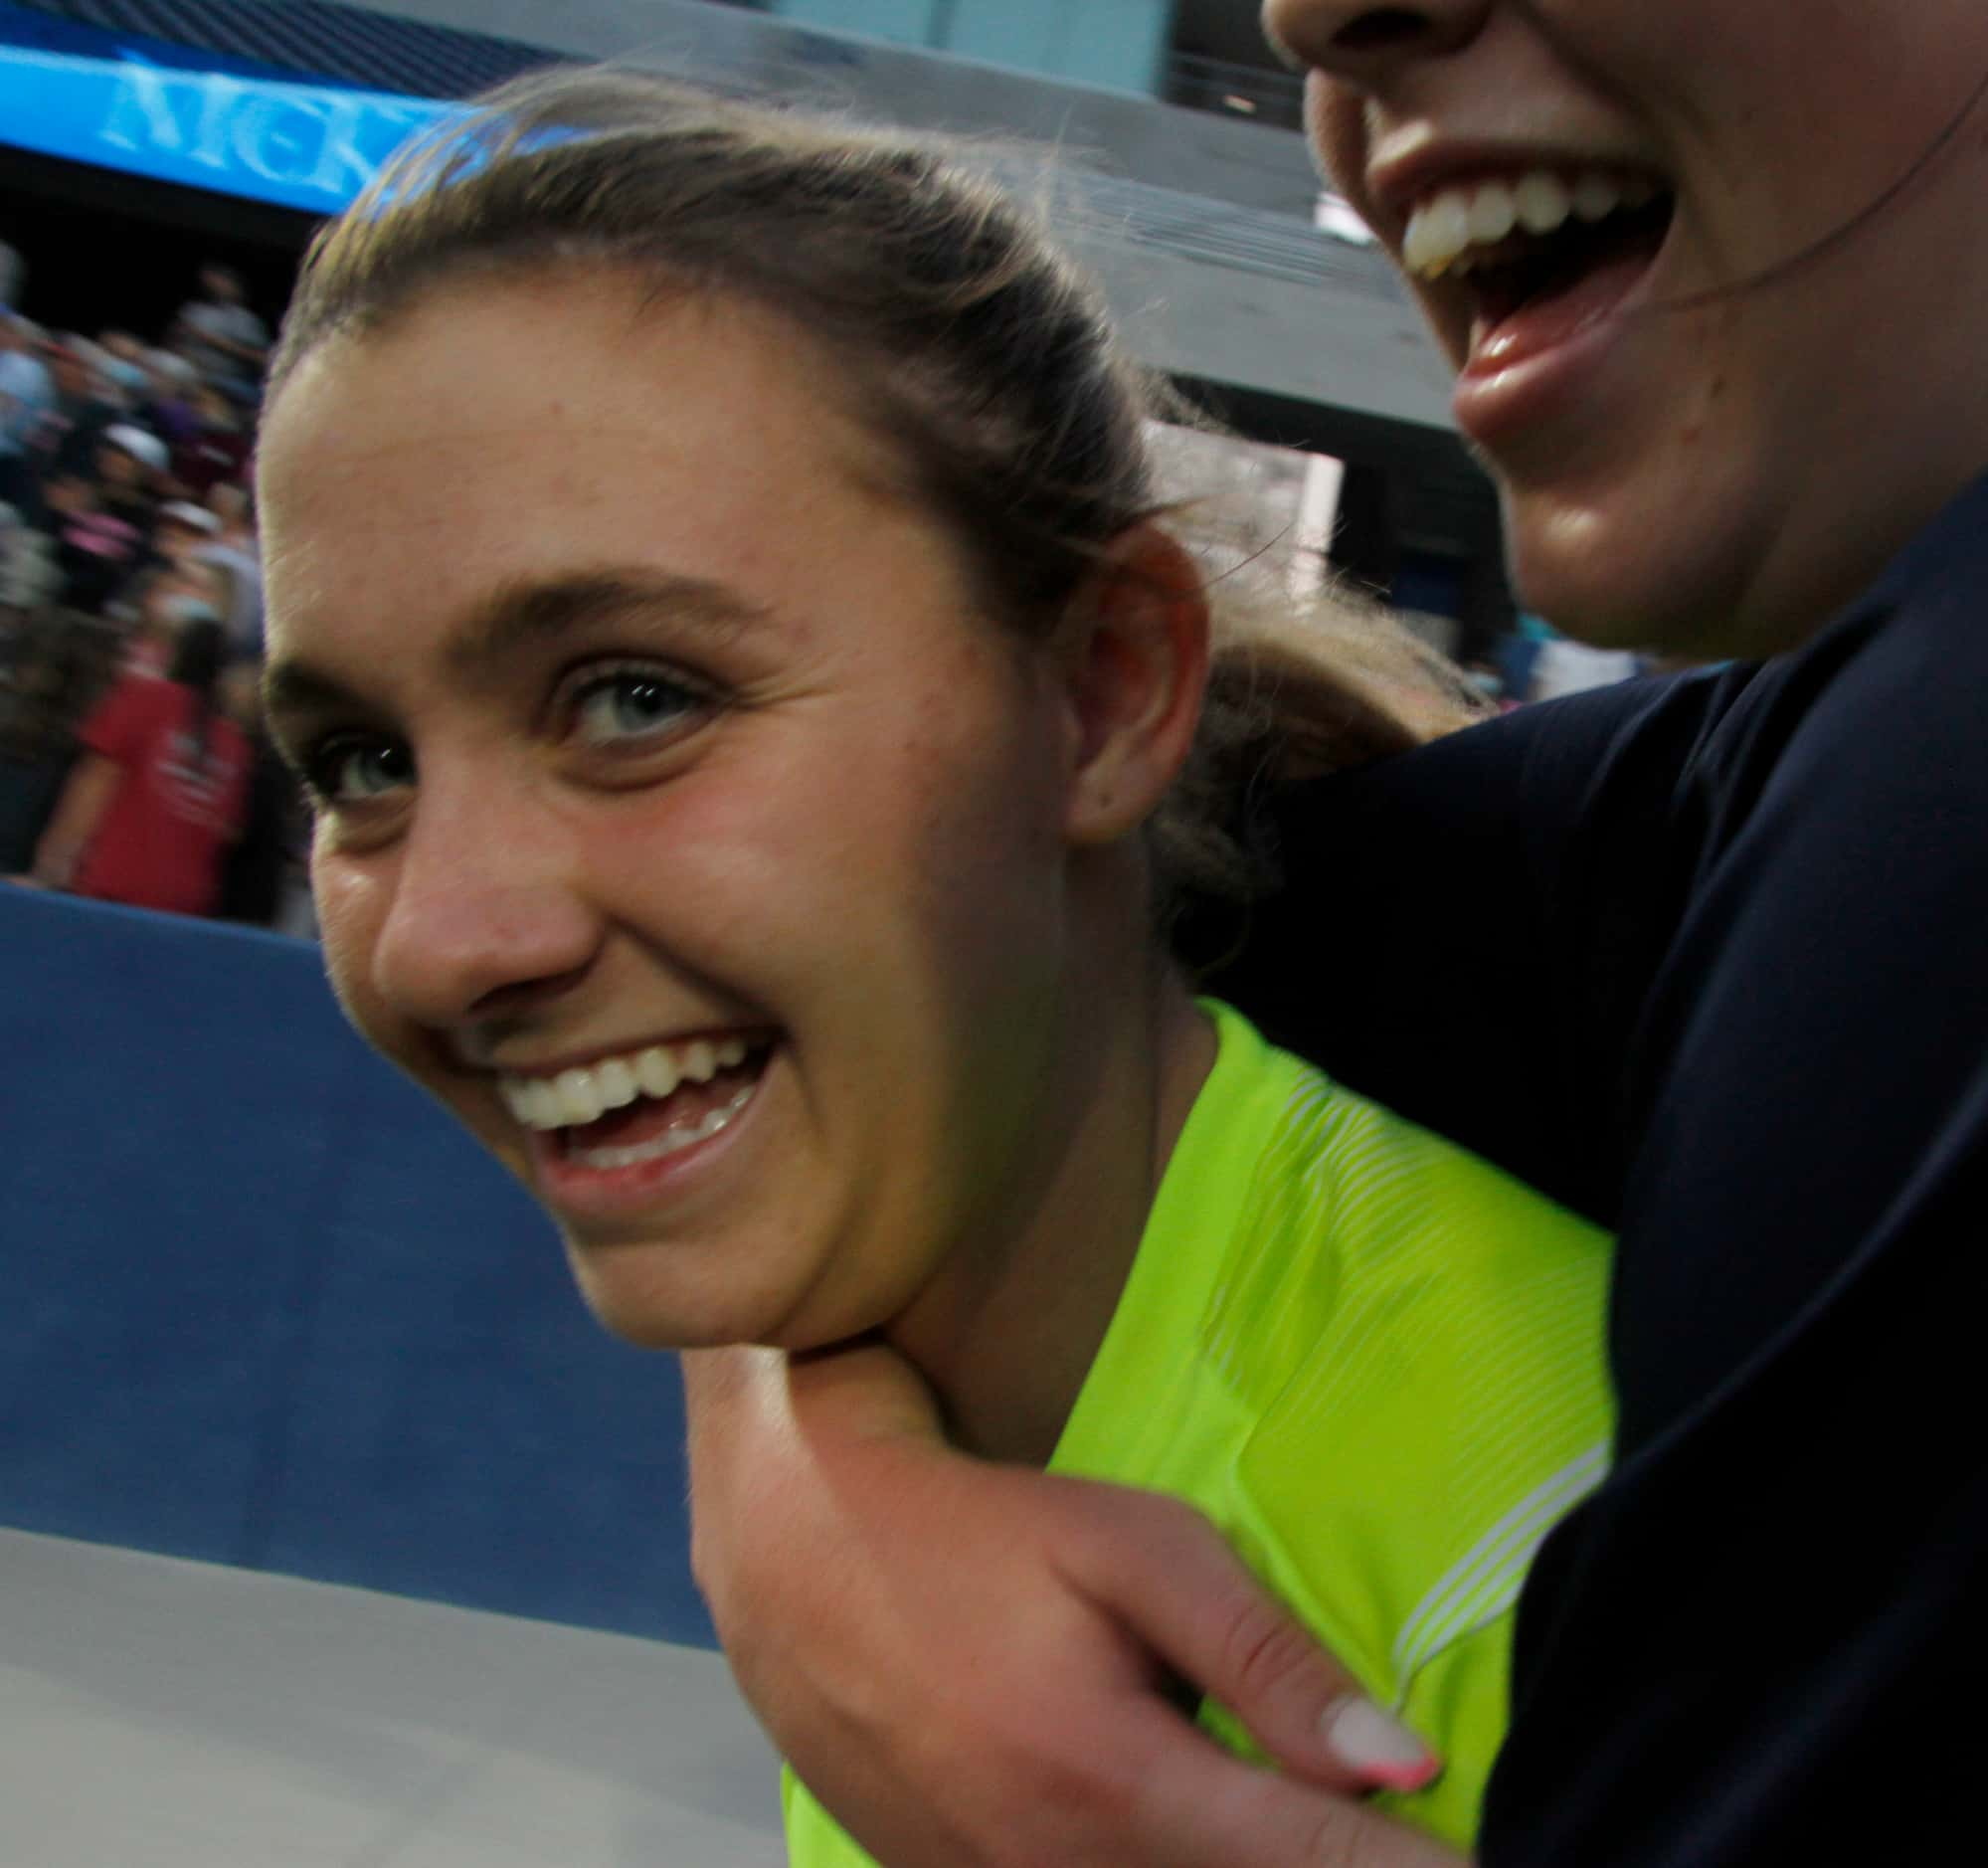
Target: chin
x=643 y=1329
x=1609 y=584
x=631 y=1306
x=649 y=1297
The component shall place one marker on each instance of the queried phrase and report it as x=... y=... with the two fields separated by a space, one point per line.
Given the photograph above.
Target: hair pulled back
x=968 y=340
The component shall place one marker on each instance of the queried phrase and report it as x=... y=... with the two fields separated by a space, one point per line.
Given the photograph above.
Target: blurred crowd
x=132 y=763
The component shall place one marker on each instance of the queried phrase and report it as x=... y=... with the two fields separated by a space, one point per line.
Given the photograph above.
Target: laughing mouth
x=642 y=1105
x=1509 y=244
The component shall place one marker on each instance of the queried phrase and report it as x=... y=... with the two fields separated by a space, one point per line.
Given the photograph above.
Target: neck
x=1007 y=1333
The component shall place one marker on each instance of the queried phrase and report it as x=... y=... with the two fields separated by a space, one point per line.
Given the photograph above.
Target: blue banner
x=305 y=145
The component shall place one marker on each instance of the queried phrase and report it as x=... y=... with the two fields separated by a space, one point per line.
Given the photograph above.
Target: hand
x=969 y=1664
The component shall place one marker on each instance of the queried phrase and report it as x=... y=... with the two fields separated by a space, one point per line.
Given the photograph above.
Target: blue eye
x=633 y=704
x=349 y=770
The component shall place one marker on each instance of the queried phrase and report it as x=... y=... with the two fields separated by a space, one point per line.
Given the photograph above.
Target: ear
x=1136 y=671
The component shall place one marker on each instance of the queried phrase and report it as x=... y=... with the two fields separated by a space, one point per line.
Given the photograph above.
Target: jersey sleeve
x=1467 y=933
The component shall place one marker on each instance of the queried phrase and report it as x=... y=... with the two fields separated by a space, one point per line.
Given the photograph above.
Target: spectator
x=185 y=531
x=218 y=447
x=237 y=551
x=57 y=675
x=105 y=524
x=157 y=795
x=223 y=339
x=66 y=438
x=122 y=363
x=26 y=393
x=167 y=405
x=172 y=595
x=29 y=576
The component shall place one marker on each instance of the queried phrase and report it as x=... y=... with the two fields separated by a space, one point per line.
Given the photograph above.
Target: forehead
x=491 y=437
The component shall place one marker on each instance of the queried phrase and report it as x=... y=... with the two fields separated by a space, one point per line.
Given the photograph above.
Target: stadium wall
x=262 y=1304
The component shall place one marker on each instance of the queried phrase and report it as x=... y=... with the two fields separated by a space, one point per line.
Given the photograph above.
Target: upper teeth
x=1446 y=226
x=576 y=1097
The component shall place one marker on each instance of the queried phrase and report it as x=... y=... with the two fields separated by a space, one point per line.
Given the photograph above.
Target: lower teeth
x=670 y=1142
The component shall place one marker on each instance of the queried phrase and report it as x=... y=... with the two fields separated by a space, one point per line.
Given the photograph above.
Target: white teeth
x=1493 y=215
x=1543 y=203
x=579 y=1099
x=670 y=1142
x=617 y=1085
x=657 y=1070
x=1447 y=225
x=1439 y=230
x=574 y=1098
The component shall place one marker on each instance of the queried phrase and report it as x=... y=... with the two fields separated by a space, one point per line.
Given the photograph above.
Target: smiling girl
x=718 y=605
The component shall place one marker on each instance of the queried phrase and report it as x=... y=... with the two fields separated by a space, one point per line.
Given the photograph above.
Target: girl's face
x=682 y=827
x=1695 y=449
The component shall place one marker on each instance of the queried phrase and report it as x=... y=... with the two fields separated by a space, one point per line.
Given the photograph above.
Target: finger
x=1210 y=1809
x=1175 y=1585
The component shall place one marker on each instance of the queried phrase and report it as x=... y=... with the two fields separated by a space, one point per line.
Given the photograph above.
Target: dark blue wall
x=261 y=1304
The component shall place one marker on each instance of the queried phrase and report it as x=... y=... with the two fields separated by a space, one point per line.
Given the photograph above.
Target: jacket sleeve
x=1467 y=933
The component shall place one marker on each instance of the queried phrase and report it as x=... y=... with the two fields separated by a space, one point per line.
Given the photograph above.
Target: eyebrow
x=526 y=611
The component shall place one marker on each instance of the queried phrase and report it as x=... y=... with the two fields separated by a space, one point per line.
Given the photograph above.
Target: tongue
x=645 y=1118
x=1542 y=323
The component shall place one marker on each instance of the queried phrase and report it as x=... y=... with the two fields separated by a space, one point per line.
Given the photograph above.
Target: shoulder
x=1806 y=1089
x=1851 y=793
x=1347 y=1204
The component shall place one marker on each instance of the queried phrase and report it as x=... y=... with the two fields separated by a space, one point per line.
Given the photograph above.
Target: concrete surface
x=163 y=1714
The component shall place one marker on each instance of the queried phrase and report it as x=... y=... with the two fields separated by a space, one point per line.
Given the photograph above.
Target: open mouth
x=642 y=1107
x=1539 y=256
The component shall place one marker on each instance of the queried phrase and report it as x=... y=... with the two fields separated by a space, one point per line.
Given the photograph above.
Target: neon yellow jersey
x=1376 y=1364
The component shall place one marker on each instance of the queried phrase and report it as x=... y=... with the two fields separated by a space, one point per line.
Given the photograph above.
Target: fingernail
x=1366 y=1739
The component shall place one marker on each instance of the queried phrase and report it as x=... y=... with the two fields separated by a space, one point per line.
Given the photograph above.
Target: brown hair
x=970 y=342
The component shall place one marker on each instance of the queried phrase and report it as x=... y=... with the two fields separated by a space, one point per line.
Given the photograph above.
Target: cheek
x=1336 y=121
x=348 y=923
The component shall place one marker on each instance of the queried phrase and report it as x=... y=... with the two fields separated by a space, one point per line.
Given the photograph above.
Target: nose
x=1366 y=44
x=485 y=916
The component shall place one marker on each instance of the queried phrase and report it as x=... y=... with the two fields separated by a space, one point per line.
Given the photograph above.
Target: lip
x=1510 y=386
x=586 y=1195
